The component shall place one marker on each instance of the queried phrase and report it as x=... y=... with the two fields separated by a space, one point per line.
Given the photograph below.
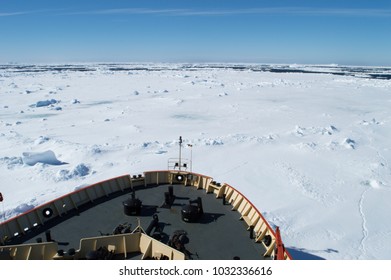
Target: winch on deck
x=193 y=211
x=132 y=206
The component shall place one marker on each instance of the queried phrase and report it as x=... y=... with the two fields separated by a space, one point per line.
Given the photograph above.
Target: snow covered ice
x=309 y=148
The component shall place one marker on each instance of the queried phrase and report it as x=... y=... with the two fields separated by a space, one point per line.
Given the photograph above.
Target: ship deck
x=218 y=234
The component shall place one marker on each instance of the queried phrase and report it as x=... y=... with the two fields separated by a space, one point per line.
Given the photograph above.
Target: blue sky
x=355 y=32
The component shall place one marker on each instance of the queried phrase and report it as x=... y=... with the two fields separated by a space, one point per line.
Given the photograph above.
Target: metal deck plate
x=219 y=234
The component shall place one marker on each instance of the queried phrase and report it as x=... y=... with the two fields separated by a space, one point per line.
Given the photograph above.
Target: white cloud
x=13 y=14
x=304 y=11
x=21 y=13
x=227 y=12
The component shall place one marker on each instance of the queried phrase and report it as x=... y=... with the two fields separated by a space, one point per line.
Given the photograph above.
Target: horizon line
x=194 y=62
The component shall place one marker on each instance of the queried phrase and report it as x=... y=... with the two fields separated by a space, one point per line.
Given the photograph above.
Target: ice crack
x=364 y=228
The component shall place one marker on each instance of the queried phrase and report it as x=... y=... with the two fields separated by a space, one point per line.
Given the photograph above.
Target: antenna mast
x=180 y=152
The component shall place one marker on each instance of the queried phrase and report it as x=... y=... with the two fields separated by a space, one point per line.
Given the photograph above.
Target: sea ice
x=309 y=149
x=47 y=157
